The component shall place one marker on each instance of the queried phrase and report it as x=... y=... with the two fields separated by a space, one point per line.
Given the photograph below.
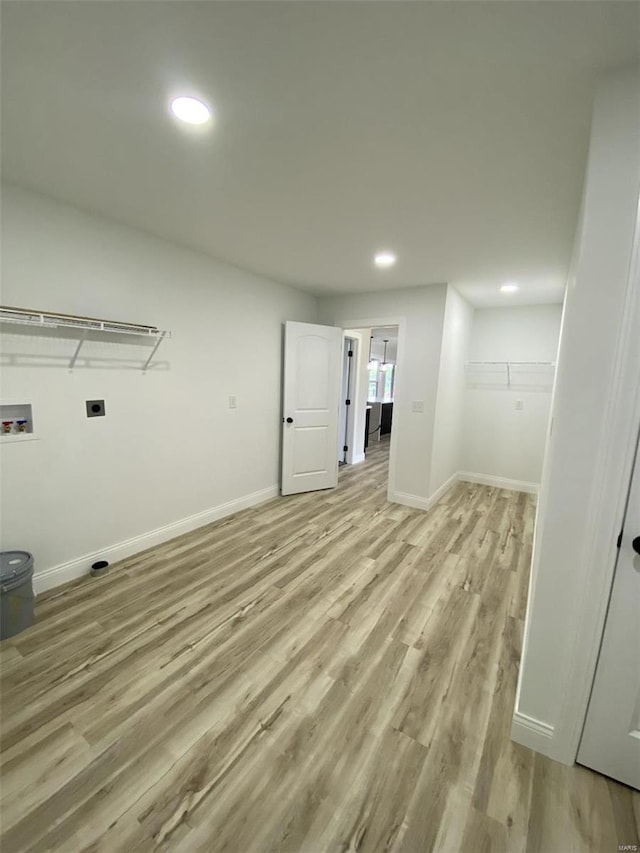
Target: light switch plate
x=417 y=406
x=519 y=405
x=233 y=402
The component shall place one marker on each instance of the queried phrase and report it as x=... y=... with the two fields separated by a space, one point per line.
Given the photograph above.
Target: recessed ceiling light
x=384 y=259
x=510 y=287
x=190 y=110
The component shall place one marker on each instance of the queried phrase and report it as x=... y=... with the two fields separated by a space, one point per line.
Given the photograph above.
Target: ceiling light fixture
x=384 y=259
x=190 y=110
x=385 y=366
x=509 y=287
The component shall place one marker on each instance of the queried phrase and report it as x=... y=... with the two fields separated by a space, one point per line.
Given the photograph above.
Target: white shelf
x=85 y=325
x=536 y=375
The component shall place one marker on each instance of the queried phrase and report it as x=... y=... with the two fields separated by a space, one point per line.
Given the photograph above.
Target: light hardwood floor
x=326 y=672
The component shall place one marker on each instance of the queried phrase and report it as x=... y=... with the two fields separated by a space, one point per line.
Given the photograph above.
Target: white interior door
x=311 y=397
x=611 y=737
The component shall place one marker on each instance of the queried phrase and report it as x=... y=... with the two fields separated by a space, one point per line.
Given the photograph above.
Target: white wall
x=449 y=419
x=499 y=440
x=419 y=312
x=595 y=420
x=169 y=446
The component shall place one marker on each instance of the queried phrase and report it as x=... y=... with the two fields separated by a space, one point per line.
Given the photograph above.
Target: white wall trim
x=418 y=502
x=532 y=733
x=439 y=492
x=415 y=501
x=65 y=572
x=499 y=482
x=357 y=458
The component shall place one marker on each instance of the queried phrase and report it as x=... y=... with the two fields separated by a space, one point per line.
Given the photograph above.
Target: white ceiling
x=453 y=133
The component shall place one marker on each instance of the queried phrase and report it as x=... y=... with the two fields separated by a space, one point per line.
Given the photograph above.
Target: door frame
x=349 y=371
x=354 y=455
x=612 y=468
x=359 y=323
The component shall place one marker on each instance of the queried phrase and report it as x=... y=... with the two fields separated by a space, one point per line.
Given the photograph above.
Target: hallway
x=324 y=672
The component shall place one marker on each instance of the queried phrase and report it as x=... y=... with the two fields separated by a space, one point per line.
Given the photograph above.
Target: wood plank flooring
x=326 y=672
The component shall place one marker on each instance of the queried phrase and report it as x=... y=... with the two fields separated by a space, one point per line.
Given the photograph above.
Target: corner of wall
x=446 y=449
x=532 y=733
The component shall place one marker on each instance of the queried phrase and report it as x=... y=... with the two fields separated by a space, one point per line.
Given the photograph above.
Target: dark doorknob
x=289 y=420
x=636 y=544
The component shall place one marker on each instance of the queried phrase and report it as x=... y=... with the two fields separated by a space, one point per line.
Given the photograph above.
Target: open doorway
x=370 y=376
x=381 y=374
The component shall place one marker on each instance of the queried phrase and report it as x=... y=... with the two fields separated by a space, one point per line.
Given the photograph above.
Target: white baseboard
x=532 y=733
x=420 y=502
x=50 y=578
x=357 y=457
x=499 y=482
x=439 y=492
x=415 y=501
x=56 y=575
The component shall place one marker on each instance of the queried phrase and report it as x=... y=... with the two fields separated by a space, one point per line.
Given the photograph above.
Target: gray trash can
x=16 y=592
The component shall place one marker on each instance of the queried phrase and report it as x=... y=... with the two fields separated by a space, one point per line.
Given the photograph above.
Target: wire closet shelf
x=536 y=375
x=85 y=325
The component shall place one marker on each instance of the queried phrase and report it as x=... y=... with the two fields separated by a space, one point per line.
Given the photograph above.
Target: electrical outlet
x=233 y=402
x=95 y=409
x=417 y=406
x=519 y=405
